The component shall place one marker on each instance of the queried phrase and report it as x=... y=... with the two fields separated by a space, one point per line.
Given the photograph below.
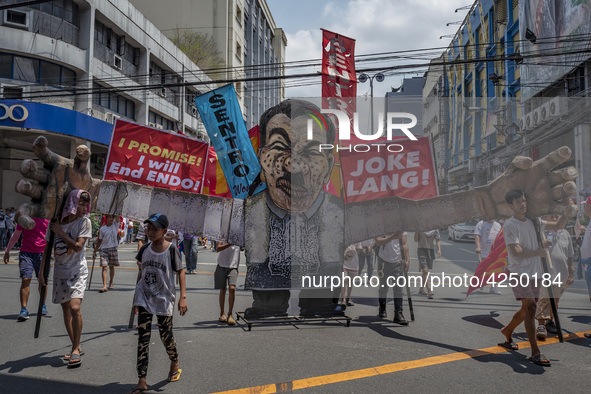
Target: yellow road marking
x=386 y=369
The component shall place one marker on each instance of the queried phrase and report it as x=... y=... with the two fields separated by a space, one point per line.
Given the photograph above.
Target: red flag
x=492 y=266
x=339 y=86
x=338 y=66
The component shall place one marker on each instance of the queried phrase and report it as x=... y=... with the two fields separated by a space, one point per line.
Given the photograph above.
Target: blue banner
x=222 y=117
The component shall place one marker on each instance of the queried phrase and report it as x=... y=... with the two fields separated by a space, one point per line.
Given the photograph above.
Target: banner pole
x=545 y=261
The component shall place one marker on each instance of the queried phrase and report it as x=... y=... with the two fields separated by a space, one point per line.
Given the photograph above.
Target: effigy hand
x=543 y=187
x=49 y=185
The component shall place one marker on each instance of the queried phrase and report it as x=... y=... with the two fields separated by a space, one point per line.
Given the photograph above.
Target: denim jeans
x=3 y=240
x=191 y=248
x=393 y=270
x=362 y=260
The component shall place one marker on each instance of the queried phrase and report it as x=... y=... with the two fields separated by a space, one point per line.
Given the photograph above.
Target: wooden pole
x=545 y=263
x=410 y=308
x=91 y=272
x=45 y=273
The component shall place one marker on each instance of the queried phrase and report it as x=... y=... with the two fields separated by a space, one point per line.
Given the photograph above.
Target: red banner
x=339 y=85
x=338 y=66
x=402 y=169
x=157 y=158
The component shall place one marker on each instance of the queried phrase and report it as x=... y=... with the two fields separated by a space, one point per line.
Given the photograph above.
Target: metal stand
x=292 y=319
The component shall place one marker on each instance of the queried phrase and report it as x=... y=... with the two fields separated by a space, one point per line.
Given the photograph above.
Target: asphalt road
x=451 y=347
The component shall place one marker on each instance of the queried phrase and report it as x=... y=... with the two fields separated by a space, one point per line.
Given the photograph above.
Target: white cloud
x=377 y=26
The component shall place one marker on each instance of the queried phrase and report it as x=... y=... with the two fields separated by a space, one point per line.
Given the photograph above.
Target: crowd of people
x=7 y=226
x=286 y=238
x=158 y=247
x=525 y=252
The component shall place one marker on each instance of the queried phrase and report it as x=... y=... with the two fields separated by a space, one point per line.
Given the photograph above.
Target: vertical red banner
x=339 y=80
x=339 y=85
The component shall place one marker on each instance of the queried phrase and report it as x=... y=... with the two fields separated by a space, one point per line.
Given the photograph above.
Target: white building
x=245 y=34
x=69 y=68
x=433 y=112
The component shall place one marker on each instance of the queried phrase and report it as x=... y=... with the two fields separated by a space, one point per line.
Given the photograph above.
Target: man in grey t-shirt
x=524 y=253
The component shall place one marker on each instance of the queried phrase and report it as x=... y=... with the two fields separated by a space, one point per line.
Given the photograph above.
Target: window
x=5 y=66
x=33 y=70
x=67 y=10
x=239 y=51
x=68 y=77
x=26 y=69
x=16 y=17
x=13 y=93
x=113 y=101
x=238 y=14
x=50 y=74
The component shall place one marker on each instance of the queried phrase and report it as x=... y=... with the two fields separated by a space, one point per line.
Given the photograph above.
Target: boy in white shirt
x=155 y=294
x=107 y=243
x=226 y=275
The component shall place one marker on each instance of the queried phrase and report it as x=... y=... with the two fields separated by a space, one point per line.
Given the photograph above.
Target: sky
x=376 y=25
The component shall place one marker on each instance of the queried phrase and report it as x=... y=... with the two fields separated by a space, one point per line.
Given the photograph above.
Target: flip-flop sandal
x=541 y=360
x=75 y=361
x=174 y=376
x=509 y=345
x=68 y=355
x=102 y=290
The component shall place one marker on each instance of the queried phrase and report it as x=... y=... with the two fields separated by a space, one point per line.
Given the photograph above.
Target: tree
x=201 y=49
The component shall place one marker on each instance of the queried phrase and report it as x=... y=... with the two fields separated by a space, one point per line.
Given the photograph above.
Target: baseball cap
x=158 y=220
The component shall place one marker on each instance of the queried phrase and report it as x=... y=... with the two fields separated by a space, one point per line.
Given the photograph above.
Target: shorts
x=109 y=257
x=225 y=277
x=66 y=289
x=29 y=262
x=530 y=290
x=426 y=257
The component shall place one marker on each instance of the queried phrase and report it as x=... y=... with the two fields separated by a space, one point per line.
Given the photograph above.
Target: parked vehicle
x=462 y=231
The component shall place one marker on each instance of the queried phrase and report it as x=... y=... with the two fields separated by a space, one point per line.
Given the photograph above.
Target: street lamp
x=363 y=78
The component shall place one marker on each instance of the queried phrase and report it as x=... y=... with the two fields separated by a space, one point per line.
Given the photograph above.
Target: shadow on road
x=36 y=385
x=517 y=361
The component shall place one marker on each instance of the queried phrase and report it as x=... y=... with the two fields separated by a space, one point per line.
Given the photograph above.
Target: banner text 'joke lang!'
x=378 y=176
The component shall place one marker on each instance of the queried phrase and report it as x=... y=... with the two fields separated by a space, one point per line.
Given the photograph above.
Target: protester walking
x=155 y=294
x=29 y=260
x=70 y=268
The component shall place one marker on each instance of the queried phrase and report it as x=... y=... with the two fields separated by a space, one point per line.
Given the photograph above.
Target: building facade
x=433 y=115
x=69 y=69
x=244 y=31
x=508 y=86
